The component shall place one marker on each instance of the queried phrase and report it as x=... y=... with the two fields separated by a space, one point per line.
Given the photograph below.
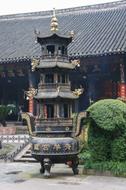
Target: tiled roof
x=99 y=29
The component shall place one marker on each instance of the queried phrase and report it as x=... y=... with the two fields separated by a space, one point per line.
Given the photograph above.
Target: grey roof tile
x=99 y=29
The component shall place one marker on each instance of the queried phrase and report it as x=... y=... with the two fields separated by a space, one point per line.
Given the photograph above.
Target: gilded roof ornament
x=34 y=64
x=78 y=92
x=72 y=35
x=30 y=93
x=76 y=62
x=54 y=22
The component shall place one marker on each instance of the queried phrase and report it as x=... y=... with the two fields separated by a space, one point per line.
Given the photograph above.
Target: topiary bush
x=108 y=114
x=99 y=142
x=99 y=148
x=118 y=149
x=107 y=136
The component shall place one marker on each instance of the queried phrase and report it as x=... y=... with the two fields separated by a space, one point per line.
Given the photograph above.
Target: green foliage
x=106 y=137
x=116 y=168
x=12 y=108
x=85 y=156
x=99 y=148
x=5 y=110
x=74 y=117
x=108 y=114
x=84 y=153
x=118 y=149
x=99 y=143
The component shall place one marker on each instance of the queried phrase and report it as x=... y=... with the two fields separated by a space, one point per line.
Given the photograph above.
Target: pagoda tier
x=53 y=84
x=55 y=94
x=51 y=61
x=55 y=101
x=63 y=38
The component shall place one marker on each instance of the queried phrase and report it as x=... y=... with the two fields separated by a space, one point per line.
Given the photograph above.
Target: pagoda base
x=47 y=161
x=55 y=150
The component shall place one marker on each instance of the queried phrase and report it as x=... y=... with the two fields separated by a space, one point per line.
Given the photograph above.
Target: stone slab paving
x=26 y=176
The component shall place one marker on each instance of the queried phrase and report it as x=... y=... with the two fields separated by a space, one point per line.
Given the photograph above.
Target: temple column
x=31 y=92
x=31 y=105
x=122 y=85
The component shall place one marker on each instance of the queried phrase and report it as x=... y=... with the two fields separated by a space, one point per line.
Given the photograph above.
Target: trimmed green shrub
x=107 y=137
x=99 y=148
x=118 y=149
x=108 y=114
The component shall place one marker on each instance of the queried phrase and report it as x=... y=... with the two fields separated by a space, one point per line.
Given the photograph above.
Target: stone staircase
x=24 y=155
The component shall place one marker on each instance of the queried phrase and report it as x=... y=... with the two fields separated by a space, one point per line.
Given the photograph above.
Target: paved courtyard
x=26 y=176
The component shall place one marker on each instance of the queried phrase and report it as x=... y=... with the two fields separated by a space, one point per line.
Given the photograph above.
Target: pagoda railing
x=54 y=121
x=58 y=57
x=54 y=86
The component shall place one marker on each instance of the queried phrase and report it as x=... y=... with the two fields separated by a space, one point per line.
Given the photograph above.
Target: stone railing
x=14 y=138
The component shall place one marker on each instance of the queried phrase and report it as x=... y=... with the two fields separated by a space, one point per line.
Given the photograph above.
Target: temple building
x=98 y=50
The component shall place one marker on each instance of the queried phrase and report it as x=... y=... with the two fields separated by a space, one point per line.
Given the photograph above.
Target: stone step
x=26 y=160
x=22 y=152
x=25 y=155
x=28 y=152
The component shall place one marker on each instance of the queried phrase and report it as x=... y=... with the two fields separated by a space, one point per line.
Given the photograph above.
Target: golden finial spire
x=54 y=22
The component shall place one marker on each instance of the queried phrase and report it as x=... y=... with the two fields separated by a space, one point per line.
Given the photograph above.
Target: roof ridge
x=48 y=13
x=94 y=6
